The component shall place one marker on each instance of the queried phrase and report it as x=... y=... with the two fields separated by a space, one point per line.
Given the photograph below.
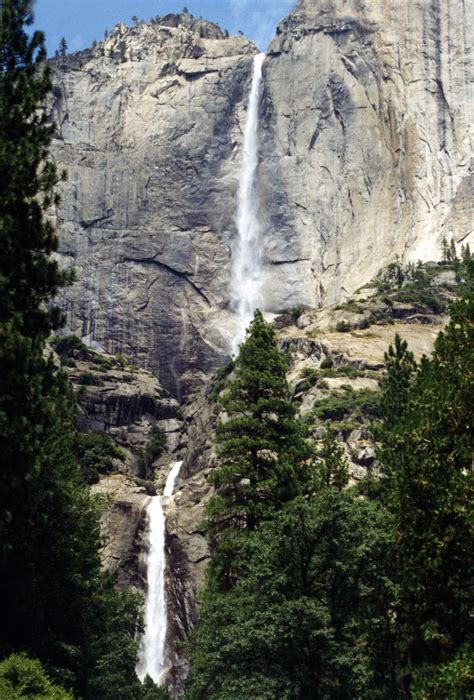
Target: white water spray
x=247 y=274
x=152 y=653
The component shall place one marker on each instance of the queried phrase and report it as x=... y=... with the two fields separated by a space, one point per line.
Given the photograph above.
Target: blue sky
x=81 y=21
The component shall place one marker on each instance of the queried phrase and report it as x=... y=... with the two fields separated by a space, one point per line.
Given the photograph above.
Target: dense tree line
x=315 y=589
x=62 y=623
x=320 y=590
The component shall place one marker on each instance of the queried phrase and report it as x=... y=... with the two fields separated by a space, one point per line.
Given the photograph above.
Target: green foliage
x=102 y=362
x=343 y=326
x=338 y=371
x=113 y=652
x=29 y=277
x=95 y=453
x=71 y=348
x=261 y=444
x=23 y=677
x=89 y=379
x=55 y=602
x=122 y=360
x=397 y=383
x=449 y=254
x=416 y=293
x=68 y=345
x=220 y=380
x=154 y=448
x=150 y=691
x=330 y=465
x=307 y=616
x=357 y=404
x=465 y=253
x=445 y=250
x=337 y=596
x=391 y=278
x=350 y=305
x=311 y=377
x=452 y=680
x=327 y=363
x=426 y=448
x=294 y=311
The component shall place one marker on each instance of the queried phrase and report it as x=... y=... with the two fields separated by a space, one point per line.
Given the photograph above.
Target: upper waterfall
x=247 y=274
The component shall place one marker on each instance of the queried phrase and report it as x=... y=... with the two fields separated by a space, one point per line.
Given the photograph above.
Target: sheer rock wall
x=367 y=150
x=365 y=156
x=149 y=127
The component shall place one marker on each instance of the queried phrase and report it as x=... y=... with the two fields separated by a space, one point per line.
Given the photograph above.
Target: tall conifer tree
x=427 y=457
x=28 y=280
x=261 y=444
x=55 y=603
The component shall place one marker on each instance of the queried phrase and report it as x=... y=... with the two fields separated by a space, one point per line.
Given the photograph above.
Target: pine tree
x=426 y=454
x=452 y=251
x=29 y=278
x=330 y=465
x=400 y=366
x=63 y=47
x=308 y=614
x=55 y=603
x=466 y=253
x=261 y=444
x=446 y=255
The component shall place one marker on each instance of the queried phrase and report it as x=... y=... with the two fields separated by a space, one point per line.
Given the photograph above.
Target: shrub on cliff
x=96 y=453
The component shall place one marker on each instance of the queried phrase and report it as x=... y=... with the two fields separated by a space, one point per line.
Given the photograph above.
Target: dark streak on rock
x=287 y=262
x=93 y=222
x=176 y=273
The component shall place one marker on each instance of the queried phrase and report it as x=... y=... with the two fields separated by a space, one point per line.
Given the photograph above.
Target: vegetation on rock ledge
x=341 y=592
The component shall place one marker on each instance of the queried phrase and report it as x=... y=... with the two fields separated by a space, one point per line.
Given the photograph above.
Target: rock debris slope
x=364 y=156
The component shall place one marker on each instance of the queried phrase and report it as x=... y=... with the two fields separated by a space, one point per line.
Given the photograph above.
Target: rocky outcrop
x=127 y=403
x=366 y=149
x=122 y=526
x=188 y=550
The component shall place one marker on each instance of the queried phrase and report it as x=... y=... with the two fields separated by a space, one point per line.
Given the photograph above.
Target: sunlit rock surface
x=364 y=156
x=367 y=149
x=149 y=128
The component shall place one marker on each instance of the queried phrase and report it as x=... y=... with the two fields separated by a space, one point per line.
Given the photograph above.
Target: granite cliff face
x=365 y=156
x=366 y=150
x=149 y=132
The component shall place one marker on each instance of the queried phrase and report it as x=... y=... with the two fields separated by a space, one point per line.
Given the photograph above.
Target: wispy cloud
x=77 y=43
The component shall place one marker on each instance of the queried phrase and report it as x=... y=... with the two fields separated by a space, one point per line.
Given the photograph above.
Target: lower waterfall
x=152 y=652
x=247 y=275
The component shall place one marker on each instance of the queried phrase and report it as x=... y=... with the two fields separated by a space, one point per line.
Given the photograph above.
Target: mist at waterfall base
x=247 y=271
x=152 y=652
